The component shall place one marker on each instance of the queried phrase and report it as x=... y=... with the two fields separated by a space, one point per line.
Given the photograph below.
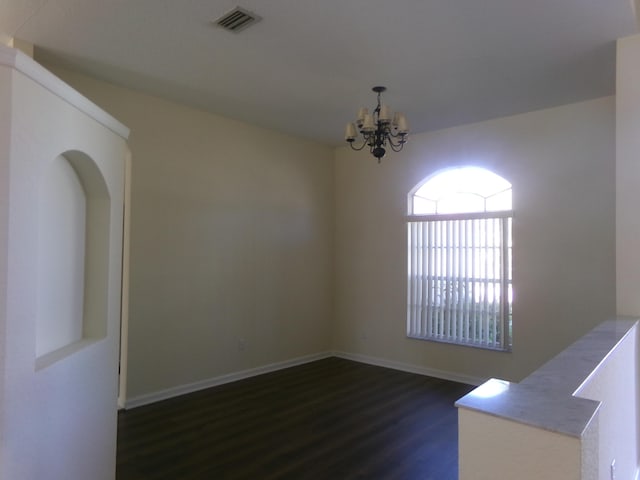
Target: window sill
x=508 y=349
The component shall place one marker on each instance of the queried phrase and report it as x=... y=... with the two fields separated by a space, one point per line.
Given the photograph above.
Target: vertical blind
x=459 y=287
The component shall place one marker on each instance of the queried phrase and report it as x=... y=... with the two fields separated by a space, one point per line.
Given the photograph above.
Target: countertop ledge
x=547 y=398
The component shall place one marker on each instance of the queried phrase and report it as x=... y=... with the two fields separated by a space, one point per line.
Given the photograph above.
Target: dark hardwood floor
x=328 y=420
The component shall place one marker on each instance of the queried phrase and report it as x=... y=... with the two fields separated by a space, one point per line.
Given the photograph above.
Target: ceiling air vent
x=237 y=19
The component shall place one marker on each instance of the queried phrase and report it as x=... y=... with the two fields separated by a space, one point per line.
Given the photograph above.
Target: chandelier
x=379 y=129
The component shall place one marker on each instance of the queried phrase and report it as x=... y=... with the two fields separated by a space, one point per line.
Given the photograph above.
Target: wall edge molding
x=13 y=58
x=165 y=394
x=148 y=398
x=410 y=368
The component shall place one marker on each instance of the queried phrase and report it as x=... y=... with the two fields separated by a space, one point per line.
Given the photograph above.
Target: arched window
x=459 y=269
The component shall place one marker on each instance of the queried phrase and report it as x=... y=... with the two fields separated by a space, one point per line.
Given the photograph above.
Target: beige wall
x=561 y=164
x=628 y=175
x=231 y=242
x=515 y=450
x=627 y=181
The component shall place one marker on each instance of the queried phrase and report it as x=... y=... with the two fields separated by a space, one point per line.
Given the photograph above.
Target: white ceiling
x=309 y=64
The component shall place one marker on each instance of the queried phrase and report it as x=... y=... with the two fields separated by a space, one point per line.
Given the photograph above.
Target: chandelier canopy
x=379 y=129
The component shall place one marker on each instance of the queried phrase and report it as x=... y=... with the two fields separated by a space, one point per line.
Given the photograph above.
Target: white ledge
x=546 y=398
x=13 y=58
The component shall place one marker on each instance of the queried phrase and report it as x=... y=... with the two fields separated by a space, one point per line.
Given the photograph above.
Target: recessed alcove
x=72 y=257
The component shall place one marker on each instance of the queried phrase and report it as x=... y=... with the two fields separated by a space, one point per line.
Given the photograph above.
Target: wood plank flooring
x=332 y=419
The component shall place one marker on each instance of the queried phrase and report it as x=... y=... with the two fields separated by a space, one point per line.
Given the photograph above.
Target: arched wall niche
x=73 y=256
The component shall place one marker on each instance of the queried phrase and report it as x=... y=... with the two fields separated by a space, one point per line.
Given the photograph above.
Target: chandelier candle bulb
x=385 y=114
x=368 y=125
x=350 y=132
x=361 y=113
x=403 y=126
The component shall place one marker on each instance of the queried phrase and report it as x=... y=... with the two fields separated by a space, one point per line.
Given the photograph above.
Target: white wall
x=57 y=418
x=5 y=139
x=231 y=242
x=560 y=162
x=61 y=253
x=615 y=384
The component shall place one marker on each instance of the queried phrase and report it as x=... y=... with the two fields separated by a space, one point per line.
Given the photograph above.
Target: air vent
x=237 y=19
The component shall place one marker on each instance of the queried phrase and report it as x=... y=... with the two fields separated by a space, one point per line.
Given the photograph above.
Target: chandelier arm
x=398 y=134
x=357 y=149
x=401 y=140
x=396 y=148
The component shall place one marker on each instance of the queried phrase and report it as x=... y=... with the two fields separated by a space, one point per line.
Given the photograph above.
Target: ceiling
x=309 y=64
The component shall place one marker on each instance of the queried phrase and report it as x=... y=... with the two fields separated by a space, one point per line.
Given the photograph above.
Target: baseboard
x=406 y=367
x=233 y=377
x=219 y=380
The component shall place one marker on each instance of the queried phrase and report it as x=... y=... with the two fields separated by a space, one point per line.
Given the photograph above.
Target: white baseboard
x=406 y=367
x=232 y=377
x=219 y=380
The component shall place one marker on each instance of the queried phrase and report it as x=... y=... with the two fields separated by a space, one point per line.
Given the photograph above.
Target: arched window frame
x=459 y=259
